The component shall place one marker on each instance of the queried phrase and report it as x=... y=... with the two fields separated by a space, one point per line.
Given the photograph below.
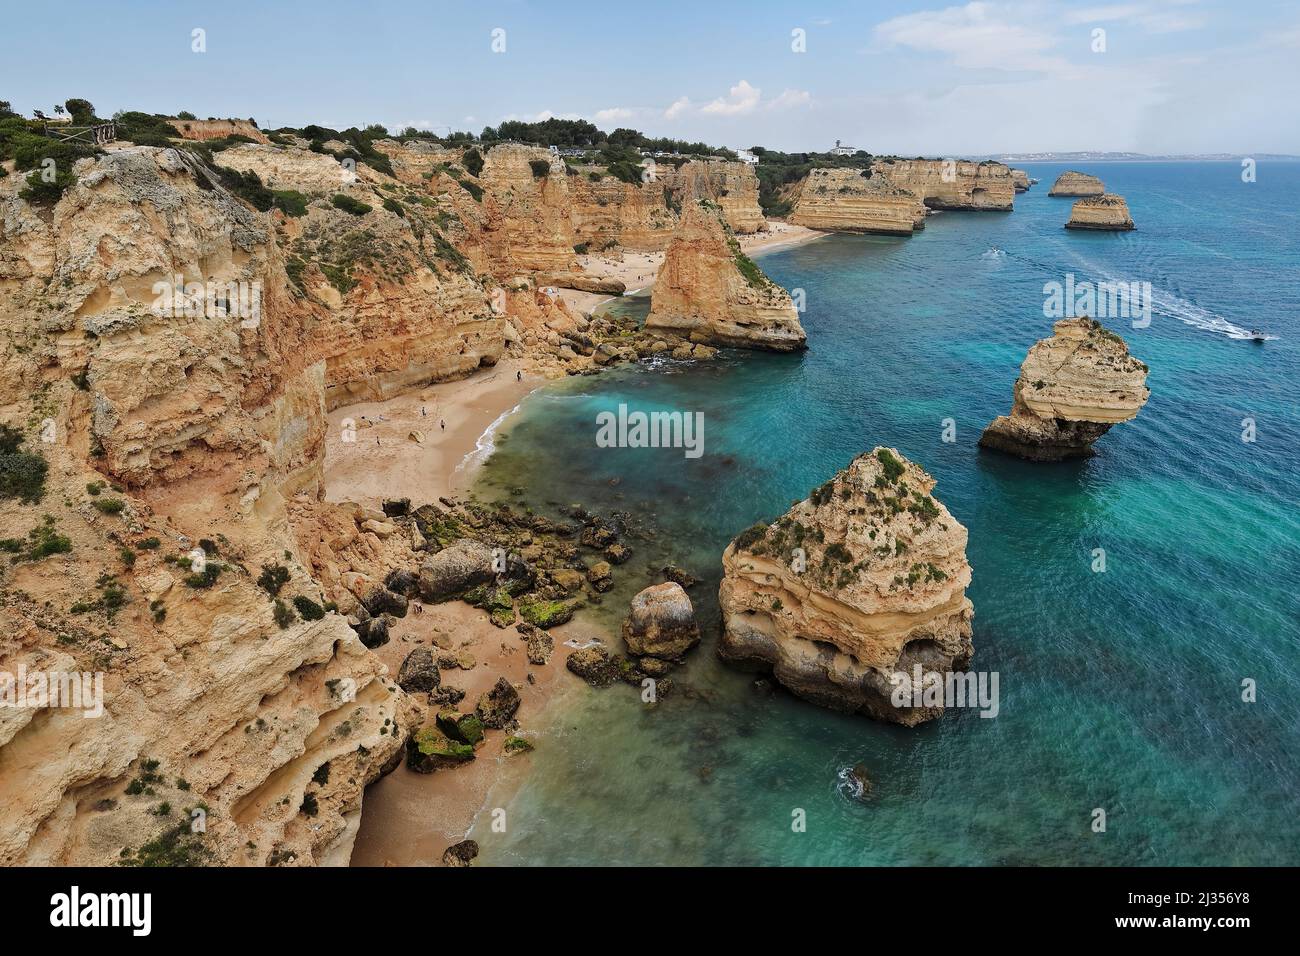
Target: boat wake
x=1173 y=306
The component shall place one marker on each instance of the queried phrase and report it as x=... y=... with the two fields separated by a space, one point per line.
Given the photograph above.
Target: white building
x=745 y=156
x=843 y=150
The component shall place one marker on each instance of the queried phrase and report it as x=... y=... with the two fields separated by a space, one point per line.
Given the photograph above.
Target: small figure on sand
x=421 y=411
x=444 y=424
x=519 y=375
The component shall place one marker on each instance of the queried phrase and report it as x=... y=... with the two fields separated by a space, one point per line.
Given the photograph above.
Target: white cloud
x=790 y=99
x=977 y=35
x=741 y=98
x=1161 y=16
x=613 y=114
x=679 y=106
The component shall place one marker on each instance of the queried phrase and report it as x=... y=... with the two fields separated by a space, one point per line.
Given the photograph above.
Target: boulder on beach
x=462 y=565
x=661 y=622
x=419 y=672
x=497 y=707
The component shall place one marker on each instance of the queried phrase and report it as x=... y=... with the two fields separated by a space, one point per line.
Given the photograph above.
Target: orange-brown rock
x=709 y=290
x=853 y=200
x=1020 y=179
x=1072 y=388
x=953 y=184
x=856 y=585
x=528 y=223
x=200 y=130
x=1074 y=183
x=1108 y=212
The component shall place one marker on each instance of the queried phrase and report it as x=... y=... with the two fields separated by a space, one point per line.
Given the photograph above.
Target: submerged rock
x=1072 y=388
x=594 y=665
x=850 y=589
x=661 y=623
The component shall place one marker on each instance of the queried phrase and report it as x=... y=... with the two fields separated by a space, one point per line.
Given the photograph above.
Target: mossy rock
x=517 y=745
x=430 y=749
x=546 y=614
x=465 y=728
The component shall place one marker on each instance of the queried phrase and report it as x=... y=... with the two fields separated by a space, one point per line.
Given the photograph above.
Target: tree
x=82 y=111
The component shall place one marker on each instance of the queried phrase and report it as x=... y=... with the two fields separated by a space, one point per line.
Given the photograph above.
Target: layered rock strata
x=709 y=290
x=953 y=184
x=1074 y=183
x=1072 y=388
x=1107 y=213
x=1020 y=179
x=851 y=200
x=843 y=596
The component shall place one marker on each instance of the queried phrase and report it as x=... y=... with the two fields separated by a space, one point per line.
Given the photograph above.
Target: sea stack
x=1107 y=213
x=852 y=200
x=1072 y=388
x=1074 y=183
x=709 y=290
x=1020 y=180
x=843 y=596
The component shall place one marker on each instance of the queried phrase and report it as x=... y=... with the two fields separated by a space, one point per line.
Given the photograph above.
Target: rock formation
x=708 y=289
x=952 y=184
x=1108 y=212
x=852 y=200
x=1072 y=388
x=1020 y=179
x=661 y=623
x=859 y=582
x=197 y=129
x=732 y=186
x=1074 y=183
x=528 y=222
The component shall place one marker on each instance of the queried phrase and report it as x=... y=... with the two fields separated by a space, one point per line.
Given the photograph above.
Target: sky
x=888 y=76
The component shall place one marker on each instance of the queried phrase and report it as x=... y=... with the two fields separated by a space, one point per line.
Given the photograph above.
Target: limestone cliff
x=1020 y=179
x=860 y=581
x=197 y=426
x=708 y=289
x=197 y=129
x=952 y=184
x=528 y=223
x=1072 y=388
x=851 y=200
x=1108 y=212
x=1074 y=183
x=642 y=216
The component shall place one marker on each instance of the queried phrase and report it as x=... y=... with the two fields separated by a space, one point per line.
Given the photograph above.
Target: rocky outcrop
x=1072 y=388
x=1020 y=179
x=952 y=184
x=661 y=622
x=854 y=586
x=642 y=216
x=852 y=200
x=200 y=425
x=200 y=130
x=1108 y=213
x=708 y=289
x=527 y=211
x=1074 y=183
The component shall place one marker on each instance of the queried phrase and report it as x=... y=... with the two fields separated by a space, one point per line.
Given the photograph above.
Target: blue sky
x=890 y=76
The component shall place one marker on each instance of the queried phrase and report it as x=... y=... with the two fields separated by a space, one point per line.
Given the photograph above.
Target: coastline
x=409 y=819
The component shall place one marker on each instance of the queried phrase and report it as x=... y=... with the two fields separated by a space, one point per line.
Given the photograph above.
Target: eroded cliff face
x=1072 y=388
x=1074 y=183
x=527 y=224
x=200 y=130
x=171 y=431
x=1107 y=213
x=642 y=217
x=709 y=290
x=854 y=585
x=1020 y=179
x=845 y=200
x=953 y=184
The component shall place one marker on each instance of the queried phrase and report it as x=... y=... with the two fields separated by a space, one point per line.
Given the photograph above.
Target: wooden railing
x=99 y=134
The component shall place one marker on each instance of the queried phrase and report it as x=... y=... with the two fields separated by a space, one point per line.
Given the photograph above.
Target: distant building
x=745 y=156
x=843 y=150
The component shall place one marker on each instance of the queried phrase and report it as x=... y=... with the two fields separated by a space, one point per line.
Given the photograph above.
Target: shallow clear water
x=1119 y=690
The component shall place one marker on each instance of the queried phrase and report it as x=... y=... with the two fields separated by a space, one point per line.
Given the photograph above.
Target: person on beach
x=519 y=375
x=444 y=424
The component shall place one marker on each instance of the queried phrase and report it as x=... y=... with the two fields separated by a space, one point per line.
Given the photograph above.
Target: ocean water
x=1120 y=690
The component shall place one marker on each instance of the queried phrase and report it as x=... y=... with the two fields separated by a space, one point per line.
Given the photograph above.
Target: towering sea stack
x=528 y=216
x=858 y=583
x=1072 y=388
x=1107 y=213
x=732 y=185
x=952 y=184
x=1074 y=183
x=1020 y=180
x=851 y=200
x=710 y=290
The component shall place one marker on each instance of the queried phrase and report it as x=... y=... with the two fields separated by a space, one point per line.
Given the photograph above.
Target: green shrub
x=349 y=205
x=283 y=614
x=309 y=609
x=290 y=201
x=893 y=467
x=40 y=192
x=540 y=167
x=474 y=189
x=247 y=186
x=109 y=506
x=205 y=578
x=392 y=205
x=22 y=473
x=273 y=577
x=43 y=541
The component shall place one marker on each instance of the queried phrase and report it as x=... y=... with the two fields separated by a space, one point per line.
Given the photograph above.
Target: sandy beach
x=409 y=818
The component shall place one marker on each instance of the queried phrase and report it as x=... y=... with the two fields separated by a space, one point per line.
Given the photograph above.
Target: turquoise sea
x=1120 y=690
